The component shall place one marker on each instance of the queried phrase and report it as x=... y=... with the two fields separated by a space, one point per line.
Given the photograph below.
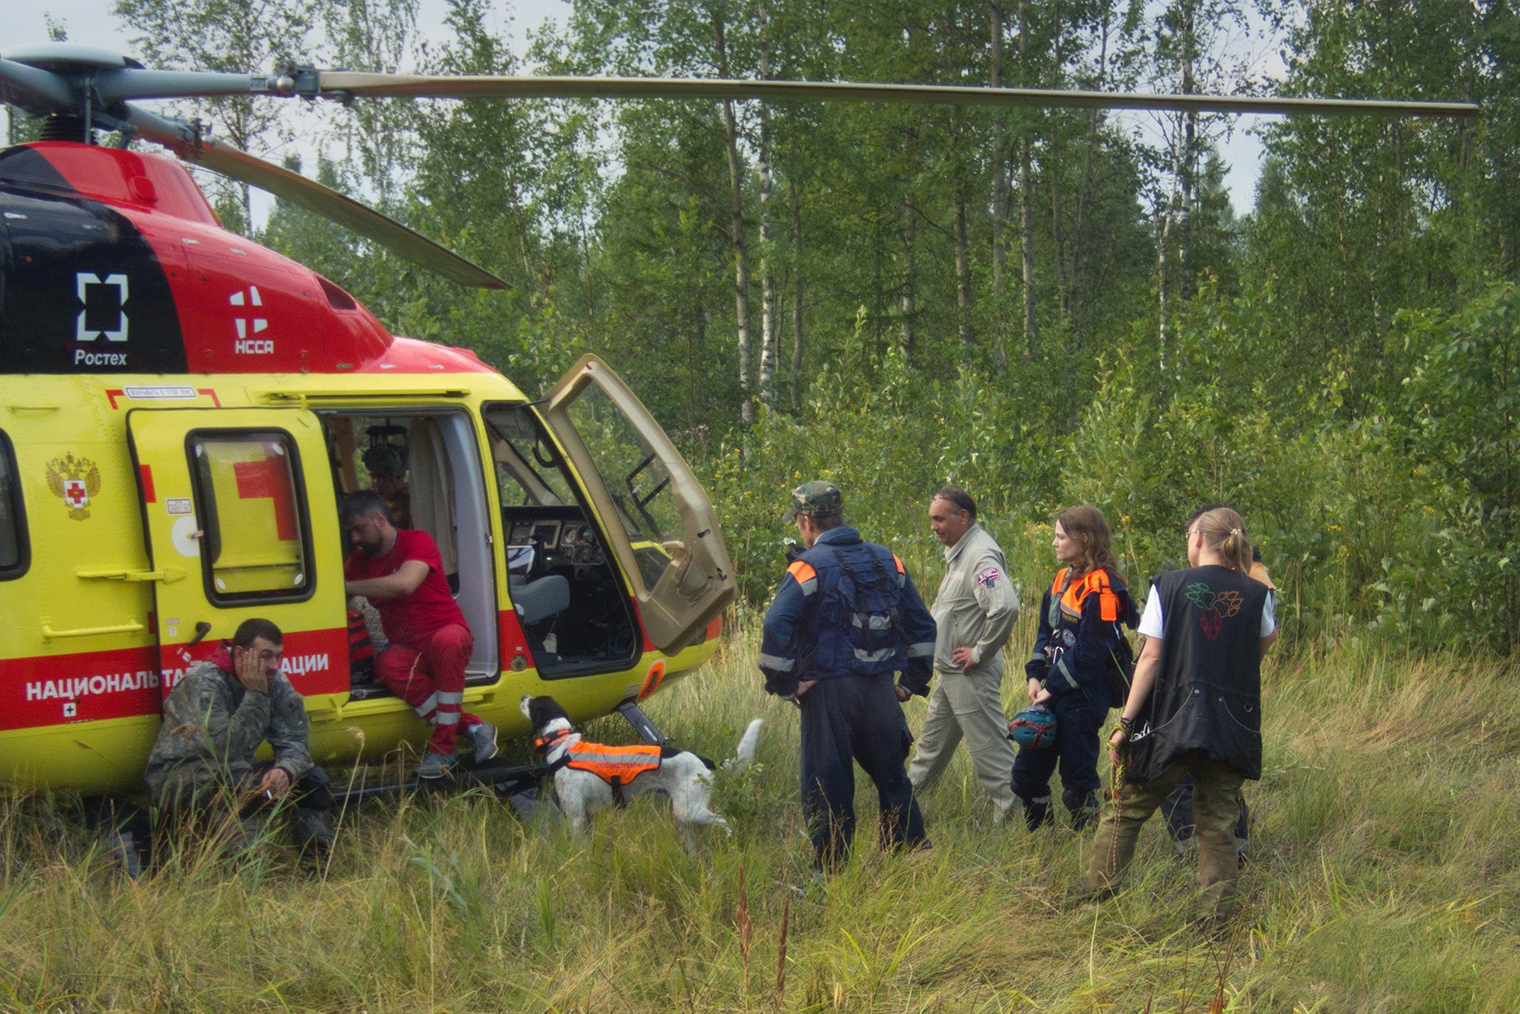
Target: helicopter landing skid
x=631 y=711
x=506 y=780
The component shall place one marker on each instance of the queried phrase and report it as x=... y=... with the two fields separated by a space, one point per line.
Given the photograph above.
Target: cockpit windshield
x=529 y=470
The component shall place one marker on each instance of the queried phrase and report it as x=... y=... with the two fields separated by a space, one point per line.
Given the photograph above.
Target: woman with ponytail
x=1178 y=807
x=1078 y=643
x=1194 y=707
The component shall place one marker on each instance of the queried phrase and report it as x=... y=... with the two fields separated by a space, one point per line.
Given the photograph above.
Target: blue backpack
x=874 y=602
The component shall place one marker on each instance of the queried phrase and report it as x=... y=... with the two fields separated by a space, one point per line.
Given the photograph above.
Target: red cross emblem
x=74 y=493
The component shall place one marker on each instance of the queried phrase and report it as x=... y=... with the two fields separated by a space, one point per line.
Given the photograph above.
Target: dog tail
x=746 y=752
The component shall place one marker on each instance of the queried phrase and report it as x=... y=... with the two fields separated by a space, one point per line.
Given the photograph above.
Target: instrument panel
x=571 y=541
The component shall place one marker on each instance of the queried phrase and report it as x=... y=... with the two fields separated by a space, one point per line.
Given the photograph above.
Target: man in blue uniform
x=844 y=620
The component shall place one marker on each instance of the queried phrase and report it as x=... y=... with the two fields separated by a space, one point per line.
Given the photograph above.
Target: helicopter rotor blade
x=27 y=79
x=34 y=91
x=181 y=138
x=365 y=85
x=130 y=83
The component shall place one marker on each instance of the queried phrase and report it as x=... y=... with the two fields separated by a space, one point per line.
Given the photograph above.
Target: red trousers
x=432 y=682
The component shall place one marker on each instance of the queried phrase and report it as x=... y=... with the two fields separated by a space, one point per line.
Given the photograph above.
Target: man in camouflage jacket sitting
x=214 y=721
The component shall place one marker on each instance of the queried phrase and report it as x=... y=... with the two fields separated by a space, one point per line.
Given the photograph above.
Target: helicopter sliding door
x=239 y=514
x=657 y=517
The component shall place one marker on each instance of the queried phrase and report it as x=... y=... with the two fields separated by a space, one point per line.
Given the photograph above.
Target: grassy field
x=1385 y=879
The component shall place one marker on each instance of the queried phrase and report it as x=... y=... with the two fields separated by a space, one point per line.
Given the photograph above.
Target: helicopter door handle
x=202 y=628
x=130 y=627
x=168 y=575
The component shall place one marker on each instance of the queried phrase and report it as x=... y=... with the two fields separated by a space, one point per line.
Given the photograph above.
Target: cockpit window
x=13 y=544
x=529 y=471
x=636 y=477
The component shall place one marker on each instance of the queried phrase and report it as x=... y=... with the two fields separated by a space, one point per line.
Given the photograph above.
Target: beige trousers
x=969 y=706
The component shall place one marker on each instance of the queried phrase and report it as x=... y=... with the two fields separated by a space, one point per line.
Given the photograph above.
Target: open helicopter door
x=241 y=522
x=656 y=515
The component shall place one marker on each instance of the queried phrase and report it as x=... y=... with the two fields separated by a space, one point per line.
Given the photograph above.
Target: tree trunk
x=791 y=187
x=999 y=198
x=736 y=231
x=768 y=322
x=1079 y=253
x=909 y=309
x=1057 y=233
x=962 y=273
x=1026 y=186
x=1163 y=236
x=1189 y=144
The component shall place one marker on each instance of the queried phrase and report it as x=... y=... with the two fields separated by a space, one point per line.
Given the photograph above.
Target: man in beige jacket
x=974 y=611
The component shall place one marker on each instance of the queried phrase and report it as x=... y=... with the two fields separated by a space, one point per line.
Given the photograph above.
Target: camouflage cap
x=815 y=499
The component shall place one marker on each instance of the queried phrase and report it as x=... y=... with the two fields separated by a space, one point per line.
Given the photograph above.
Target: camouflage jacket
x=212 y=728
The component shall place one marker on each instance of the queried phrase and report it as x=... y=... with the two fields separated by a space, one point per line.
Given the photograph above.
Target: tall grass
x=1386 y=877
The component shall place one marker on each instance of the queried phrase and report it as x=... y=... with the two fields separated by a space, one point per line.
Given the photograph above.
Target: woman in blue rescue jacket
x=1079 y=640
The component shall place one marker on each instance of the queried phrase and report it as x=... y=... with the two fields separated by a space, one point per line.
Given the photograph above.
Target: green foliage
x=1463 y=428
x=1396 y=528
x=888 y=437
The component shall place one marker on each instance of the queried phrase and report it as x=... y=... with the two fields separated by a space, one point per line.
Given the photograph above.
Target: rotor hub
x=63 y=127
x=68 y=56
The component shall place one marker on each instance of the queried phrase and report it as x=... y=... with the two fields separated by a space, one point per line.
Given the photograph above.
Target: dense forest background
x=1044 y=306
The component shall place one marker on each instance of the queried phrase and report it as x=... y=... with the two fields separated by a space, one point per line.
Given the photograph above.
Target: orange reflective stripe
x=802 y=571
x=1055 y=586
x=896 y=559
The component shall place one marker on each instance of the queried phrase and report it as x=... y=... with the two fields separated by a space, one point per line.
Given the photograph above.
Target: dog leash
x=1115 y=783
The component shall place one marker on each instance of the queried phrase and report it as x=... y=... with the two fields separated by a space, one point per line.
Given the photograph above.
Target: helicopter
x=181 y=411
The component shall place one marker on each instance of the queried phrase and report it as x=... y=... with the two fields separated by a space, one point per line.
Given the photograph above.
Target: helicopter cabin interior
x=568 y=598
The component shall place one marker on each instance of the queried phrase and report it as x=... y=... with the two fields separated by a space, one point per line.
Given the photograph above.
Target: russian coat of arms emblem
x=75 y=480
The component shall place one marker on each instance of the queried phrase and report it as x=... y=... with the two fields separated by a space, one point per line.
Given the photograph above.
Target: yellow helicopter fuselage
x=100 y=619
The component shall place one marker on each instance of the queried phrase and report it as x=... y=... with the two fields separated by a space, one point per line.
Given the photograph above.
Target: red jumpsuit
x=430 y=642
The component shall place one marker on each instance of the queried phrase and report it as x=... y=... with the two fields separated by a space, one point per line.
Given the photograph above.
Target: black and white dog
x=591 y=776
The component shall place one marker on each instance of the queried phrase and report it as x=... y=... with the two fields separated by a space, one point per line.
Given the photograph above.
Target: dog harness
x=618 y=766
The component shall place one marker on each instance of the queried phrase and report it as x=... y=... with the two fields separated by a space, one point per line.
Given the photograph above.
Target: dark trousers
x=1079 y=719
x=845 y=720
x=1177 y=808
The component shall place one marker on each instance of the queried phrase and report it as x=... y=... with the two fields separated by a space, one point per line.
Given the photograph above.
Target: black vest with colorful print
x=1207 y=696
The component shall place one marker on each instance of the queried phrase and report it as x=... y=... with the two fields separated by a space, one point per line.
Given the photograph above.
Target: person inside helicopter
x=401 y=574
x=386 y=464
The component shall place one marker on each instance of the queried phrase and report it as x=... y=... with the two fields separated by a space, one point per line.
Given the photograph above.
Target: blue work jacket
x=808 y=632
